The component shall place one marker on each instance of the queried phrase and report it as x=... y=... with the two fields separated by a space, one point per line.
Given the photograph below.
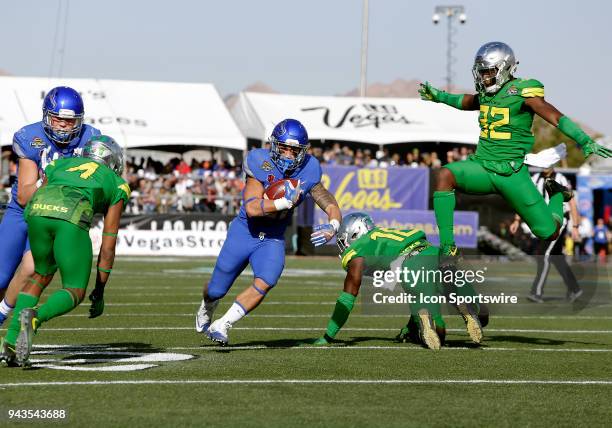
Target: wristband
x=104 y=270
x=282 y=204
x=39 y=183
x=109 y=234
x=573 y=131
x=335 y=224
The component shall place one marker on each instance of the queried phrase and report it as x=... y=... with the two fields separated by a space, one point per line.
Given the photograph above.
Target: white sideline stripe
x=255 y=315
x=319 y=381
x=97 y=349
x=492 y=330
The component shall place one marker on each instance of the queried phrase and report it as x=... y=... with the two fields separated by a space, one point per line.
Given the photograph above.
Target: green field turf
x=552 y=367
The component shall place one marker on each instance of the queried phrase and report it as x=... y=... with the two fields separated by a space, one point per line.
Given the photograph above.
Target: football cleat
x=23 y=347
x=204 y=315
x=428 y=333
x=7 y=354
x=450 y=256
x=572 y=296
x=217 y=332
x=552 y=188
x=472 y=322
x=535 y=298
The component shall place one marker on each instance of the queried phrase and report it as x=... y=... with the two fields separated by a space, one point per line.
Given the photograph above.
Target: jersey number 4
x=88 y=169
x=488 y=123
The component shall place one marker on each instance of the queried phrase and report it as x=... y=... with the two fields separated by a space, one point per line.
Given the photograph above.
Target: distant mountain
x=231 y=99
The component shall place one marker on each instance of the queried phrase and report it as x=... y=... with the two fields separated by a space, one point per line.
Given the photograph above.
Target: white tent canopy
x=135 y=113
x=365 y=120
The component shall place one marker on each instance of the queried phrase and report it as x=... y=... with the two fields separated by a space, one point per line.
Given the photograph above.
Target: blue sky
x=312 y=47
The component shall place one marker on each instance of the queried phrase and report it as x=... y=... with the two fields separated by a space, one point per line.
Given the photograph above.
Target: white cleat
x=204 y=316
x=217 y=332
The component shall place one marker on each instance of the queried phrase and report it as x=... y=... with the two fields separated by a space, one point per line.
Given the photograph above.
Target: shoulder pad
x=529 y=88
x=257 y=163
x=27 y=144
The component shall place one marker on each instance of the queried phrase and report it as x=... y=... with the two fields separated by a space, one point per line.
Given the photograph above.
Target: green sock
x=556 y=206
x=444 y=208
x=57 y=304
x=344 y=306
x=24 y=301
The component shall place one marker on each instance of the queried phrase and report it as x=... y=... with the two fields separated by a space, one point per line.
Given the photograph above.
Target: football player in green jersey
x=507 y=105
x=366 y=248
x=59 y=216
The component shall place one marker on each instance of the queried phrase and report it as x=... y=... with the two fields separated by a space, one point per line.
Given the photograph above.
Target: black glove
x=97 y=302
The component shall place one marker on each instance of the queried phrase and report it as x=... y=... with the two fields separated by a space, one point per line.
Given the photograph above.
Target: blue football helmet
x=289 y=133
x=66 y=103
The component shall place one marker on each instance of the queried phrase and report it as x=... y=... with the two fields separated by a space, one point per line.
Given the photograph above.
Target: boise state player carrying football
x=58 y=135
x=256 y=235
x=507 y=105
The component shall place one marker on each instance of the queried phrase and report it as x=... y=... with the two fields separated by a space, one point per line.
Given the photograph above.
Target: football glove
x=429 y=93
x=293 y=193
x=323 y=233
x=591 y=147
x=97 y=303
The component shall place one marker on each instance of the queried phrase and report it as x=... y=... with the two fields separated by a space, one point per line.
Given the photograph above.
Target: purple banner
x=466 y=223
x=381 y=189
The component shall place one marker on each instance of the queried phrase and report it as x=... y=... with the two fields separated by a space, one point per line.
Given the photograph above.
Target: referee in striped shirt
x=550 y=252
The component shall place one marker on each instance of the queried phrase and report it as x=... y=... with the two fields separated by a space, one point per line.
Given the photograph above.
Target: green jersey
x=380 y=246
x=76 y=189
x=505 y=121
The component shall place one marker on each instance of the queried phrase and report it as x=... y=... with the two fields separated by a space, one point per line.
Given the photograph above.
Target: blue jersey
x=31 y=142
x=259 y=165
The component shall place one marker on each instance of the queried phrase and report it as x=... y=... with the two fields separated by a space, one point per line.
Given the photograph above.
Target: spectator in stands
x=600 y=240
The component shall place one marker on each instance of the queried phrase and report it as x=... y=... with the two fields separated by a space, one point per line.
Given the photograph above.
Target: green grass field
x=143 y=364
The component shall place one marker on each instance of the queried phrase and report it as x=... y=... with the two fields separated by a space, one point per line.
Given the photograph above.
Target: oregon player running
x=366 y=248
x=59 y=216
x=507 y=105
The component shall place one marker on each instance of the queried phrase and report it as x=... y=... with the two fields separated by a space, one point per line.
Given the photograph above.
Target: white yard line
x=318 y=381
x=255 y=315
x=169 y=328
x=82 y=349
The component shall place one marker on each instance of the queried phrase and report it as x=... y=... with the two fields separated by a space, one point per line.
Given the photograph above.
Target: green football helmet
x=105 y=150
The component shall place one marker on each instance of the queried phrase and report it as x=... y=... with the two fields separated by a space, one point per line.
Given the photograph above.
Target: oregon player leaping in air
x=59 y=216
x=507 y=105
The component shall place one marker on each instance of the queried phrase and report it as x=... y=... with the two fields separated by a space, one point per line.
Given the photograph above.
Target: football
x=276 y=190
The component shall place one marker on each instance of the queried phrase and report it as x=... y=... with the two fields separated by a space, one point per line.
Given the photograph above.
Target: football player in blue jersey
x=61 y=133
x=256 y=235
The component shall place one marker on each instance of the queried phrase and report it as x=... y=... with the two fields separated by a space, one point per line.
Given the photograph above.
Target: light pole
x=364 y=49
x=452 y=13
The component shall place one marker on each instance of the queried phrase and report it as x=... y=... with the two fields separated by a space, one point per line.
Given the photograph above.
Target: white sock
x=233 y=314
x=5 y=308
